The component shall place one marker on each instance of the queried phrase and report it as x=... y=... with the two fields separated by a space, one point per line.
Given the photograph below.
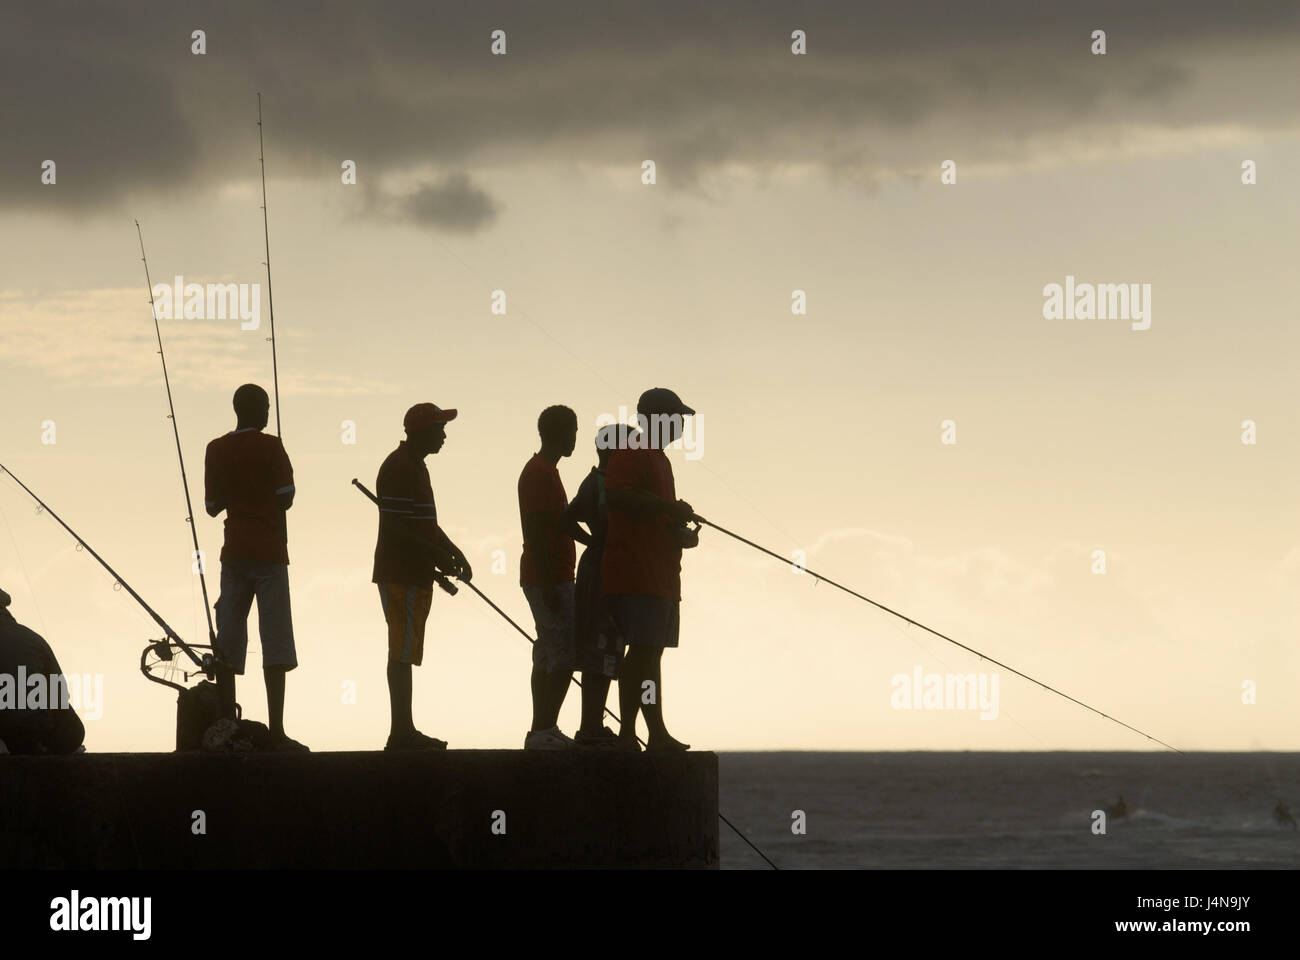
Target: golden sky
x=819 y=432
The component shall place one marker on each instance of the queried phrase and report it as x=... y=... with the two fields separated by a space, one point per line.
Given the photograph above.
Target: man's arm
x=643 y=501
x=284 y=488
x=455 y=563
x=582 y=505
x=214 y=498
x=539 y=535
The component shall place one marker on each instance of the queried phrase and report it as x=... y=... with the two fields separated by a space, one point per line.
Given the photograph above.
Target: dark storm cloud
x=112 y=93
x=455 y=204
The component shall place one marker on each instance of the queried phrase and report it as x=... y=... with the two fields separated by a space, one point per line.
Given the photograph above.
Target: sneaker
x=551 y=739
x=285 y=744
x=606 y=739
x=414 y=740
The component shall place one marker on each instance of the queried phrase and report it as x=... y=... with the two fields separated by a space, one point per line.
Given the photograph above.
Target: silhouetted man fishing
x=27 y=727
x=598 y=644
x=248 y=475
x=546 y=574
x=641 y=567
x=409 y=548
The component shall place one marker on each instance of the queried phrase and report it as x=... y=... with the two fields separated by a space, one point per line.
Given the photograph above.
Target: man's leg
x=232 y=607
x=399 y=700
x=274 y=677
x=629 y=691
x=653 y=703
x=595 y=691
x=406 y=612
x=552 y=655
x=279 y=656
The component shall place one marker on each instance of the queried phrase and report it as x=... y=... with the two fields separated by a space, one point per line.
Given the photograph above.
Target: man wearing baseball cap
x=641 y=566
x=410 y=548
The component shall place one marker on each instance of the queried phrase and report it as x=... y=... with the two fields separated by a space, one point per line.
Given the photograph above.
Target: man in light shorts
x=546 y=574
x=248 y=475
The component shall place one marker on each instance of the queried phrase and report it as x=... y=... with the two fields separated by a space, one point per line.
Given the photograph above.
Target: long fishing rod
x=266 y=234
x=171 y=415
x=931 y=630
x=524 y=633
x=202 y=662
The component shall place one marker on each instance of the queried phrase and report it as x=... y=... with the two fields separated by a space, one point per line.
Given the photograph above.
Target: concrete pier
x=480 y=809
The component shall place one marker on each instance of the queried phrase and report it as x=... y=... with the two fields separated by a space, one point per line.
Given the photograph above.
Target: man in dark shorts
x=248 y=475
x=546 y=574
x=598 y=644
x=56 y=728
x=409 y=549
x=641 y=567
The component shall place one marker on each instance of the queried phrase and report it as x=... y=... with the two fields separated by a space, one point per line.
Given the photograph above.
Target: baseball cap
x=425 y=415
x=662 y=400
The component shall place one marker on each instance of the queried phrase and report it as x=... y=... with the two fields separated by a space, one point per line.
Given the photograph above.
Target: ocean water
x=1010 y=810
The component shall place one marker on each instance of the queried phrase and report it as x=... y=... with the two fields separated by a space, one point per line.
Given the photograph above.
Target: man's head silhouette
x=558 y=428
x=426 y=428
x=252 y=406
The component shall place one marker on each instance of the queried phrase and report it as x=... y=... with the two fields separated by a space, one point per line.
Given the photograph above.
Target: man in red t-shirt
x=641 y=566
x=410 y=548
x=546 y=574
x=248 y=475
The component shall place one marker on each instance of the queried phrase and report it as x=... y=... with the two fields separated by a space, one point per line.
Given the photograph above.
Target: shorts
x=554 y=648
x=240 y=583
x=406 y=610
x=645 y=620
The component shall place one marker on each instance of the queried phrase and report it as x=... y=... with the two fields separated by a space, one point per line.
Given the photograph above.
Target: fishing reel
x=687 y=535
x=160 y=664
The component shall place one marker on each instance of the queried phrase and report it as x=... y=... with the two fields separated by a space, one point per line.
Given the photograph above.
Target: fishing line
x=525 y=634
x=916 y=623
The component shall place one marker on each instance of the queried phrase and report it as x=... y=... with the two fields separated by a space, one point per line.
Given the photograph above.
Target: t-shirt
x=246 y=470
x=642 y=554
x=405 y=500
x=542 y=491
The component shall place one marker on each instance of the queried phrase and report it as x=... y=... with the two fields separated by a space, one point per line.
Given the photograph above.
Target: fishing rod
x=266 y=234
x=185 y=484
x=983 y=656
x=524 y=633
x=204 y=662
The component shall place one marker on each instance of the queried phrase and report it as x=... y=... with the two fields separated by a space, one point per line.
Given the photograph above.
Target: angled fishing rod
x=171 y=415
x=203 y=662
x=916 y=623
x=266 y=234
x=450 y=588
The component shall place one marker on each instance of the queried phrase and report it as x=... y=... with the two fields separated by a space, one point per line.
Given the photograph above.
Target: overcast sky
x=819 y=432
